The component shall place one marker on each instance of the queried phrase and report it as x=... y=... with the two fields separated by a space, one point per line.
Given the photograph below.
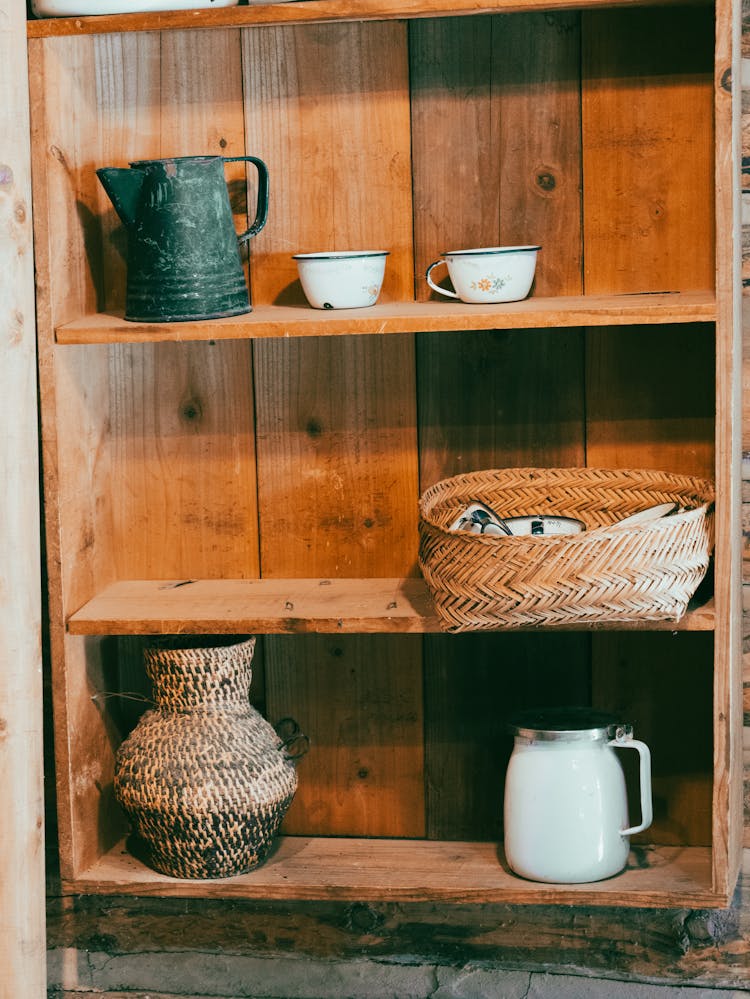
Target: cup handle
x=647 y=812
x=431 y=283
x=261 y=209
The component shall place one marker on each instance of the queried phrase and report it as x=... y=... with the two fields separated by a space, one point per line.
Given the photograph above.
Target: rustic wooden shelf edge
x=295 y=606
x=266 y=321
x=336 y=868
x=309 y=12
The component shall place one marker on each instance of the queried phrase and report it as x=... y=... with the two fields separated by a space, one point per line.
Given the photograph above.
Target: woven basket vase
x=203 y=778
x=646 y=572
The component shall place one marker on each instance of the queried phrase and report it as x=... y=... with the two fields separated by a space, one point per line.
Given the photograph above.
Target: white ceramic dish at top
x=645 y=516
x=86 y=8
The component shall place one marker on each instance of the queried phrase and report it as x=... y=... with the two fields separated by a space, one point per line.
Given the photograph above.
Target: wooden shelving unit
x=262 y=474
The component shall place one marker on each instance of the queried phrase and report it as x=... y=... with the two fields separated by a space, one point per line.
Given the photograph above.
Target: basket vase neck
x=185 y=679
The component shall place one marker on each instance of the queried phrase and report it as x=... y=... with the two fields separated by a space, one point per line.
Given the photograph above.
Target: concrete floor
x=80 y=975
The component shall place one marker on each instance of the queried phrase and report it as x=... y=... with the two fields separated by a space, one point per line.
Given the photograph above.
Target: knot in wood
x=191 y=410
x=546 y=180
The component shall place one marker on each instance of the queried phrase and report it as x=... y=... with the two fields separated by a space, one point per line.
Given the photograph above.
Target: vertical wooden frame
x=727 y=795
x=22 y=883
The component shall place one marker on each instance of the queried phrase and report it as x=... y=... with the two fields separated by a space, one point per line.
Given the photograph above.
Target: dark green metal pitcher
x=183 y=252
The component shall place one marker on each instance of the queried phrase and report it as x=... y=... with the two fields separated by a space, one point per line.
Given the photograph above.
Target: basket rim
x=700 y=487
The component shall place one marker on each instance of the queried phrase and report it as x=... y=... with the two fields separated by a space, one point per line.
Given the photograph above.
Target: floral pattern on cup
x=490 y=283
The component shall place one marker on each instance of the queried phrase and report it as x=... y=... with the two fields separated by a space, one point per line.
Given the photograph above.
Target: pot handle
x=435 y=287
x=261 y=209
x=626 y=741
x=294 y=742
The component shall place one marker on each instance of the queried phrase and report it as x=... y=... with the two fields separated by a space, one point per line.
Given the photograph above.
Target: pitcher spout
x=123 y=185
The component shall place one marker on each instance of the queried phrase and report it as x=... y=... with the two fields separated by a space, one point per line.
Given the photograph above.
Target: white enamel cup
x=341 y=280
x=489 y=274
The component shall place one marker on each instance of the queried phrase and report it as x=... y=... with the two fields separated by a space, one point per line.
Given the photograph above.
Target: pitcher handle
x=626 y=741
x=261 y=209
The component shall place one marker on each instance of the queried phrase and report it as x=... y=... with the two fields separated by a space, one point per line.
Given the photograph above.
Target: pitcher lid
x=569 y=724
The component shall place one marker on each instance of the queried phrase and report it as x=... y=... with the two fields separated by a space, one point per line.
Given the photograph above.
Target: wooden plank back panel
x=650 y=404
x=499 y=399
x=650 y=400
x=648 y=140
x=359 y=700
x=474 y=682
x=496 y=140
x=338 y=497
x=337 y=457
x=648 y=226
x=182 y=415
x=183 y=470
x=496 y=147
x=327 y=109
x=145 y=420
x=662 y=684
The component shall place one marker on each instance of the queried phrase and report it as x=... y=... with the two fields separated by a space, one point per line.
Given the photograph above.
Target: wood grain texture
x=728 y=763
x=500 y=399
x=74 y=393
x=336 y=440
x=289 y=606
x=396 y=870
x=496 y=141
x=328 y=113
x=402 y=317
x=650 y=403
x=472 y=684
x=648 y=136
x=293 y=13
x=641 y=679
x=22 y=902
x=183 y=471
x=363 y=775
x=493 y=399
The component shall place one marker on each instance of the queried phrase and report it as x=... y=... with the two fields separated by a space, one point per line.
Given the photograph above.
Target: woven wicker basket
x=204 y=779
x=646 y=572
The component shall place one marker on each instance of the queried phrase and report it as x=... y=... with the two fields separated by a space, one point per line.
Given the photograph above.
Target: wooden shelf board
x=414 y=871
x=405 y=317
x=291 y=606
x=306 y=11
